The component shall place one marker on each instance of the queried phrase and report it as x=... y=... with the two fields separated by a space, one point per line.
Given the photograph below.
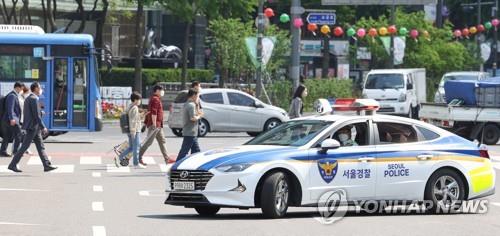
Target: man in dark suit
x=11 y=119
x=33 y=125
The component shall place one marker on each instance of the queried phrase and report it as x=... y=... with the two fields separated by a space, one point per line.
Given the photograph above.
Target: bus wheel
x=491 y=134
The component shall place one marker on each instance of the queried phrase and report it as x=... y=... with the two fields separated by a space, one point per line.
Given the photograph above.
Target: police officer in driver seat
x=344 y=137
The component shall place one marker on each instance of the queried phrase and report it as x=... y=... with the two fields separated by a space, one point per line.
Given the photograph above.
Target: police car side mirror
x=329 y=144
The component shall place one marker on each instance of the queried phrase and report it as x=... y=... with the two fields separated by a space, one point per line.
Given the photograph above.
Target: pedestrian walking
x=297 y=105
x=22 y=98
x=135 y=125
x=34 y=127
x=154 y=123
x=191 y=117
x=11 y=120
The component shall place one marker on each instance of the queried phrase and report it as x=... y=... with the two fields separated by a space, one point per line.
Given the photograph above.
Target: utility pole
x=477 y=36
x=326 y=56
x=495 y=40
x=393 y=22
x=260 y=35
x=295 y=55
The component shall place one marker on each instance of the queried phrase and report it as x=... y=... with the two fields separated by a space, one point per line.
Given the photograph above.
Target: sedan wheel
x=445 y=191
x=271 y=124
x=275 y=195
x=203 y=128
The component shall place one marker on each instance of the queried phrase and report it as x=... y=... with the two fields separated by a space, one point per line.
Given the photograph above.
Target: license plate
x=183 y=185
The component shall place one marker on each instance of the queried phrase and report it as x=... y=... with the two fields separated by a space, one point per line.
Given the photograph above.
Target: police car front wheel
x=275 y=195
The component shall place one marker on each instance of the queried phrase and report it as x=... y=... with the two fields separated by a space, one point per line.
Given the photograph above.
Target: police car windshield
x=293 y=133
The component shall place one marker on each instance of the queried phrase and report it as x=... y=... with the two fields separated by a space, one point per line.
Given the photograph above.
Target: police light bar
x=324 y=106
x=21 y=29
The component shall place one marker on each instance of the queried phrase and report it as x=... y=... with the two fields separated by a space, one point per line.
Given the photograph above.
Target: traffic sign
x=322 y=18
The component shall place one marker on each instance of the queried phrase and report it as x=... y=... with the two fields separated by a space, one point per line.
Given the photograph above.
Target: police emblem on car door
x=328 y=169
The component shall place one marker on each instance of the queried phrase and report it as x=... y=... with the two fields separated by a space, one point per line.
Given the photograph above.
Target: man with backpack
x=131 y=124
x=11 y=119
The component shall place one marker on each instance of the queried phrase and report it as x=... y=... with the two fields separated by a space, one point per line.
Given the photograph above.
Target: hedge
x=125 y=76
x=281 y=92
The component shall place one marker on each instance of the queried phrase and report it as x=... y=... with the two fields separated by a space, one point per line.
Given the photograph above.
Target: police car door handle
x=366 y=159
x=425 y=157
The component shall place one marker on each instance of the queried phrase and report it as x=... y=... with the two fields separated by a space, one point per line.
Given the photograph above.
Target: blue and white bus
x=66 y=67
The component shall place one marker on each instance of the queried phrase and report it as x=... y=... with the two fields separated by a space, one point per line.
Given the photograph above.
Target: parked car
x=439 y=96
x=399 y=91
x=228 y=110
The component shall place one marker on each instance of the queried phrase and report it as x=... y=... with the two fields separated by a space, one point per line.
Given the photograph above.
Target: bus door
x=70 y=93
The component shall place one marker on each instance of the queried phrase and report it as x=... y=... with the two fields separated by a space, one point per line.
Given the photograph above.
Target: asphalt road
x=89 y=196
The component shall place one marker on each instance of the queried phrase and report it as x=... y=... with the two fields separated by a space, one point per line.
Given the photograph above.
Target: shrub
x=281 y=92
x=125 y=76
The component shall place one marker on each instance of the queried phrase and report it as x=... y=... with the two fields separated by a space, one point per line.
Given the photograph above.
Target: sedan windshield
x=384 y=81
x=292 y=133
x=458 y=77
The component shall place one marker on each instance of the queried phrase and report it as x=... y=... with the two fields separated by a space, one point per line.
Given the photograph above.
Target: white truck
x=470 y=122
x=399 y=91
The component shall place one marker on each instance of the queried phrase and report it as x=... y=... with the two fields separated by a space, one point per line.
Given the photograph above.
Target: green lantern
x=403 y=31
x=488 y=25
x=284 y=18
x=351 y=32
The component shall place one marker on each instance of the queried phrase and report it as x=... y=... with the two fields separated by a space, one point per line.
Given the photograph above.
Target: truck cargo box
x=463 y=90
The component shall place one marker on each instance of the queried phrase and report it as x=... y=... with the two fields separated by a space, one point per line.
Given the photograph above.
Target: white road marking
x=23 y=190
x=64 y=169
x=97 y=188
x=111 y=168
x=495 y=204
x=98 y=231
x=148 y=160
x=97 y=206
x=15 y=223
x=165 y=168
x=496 y=165
x=35 y=161
x=144 y=193
x=90 y=160
x=3 y=169
x=96 y=174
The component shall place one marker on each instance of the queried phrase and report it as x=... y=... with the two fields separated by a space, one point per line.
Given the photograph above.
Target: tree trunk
x=4 y=12
x=185 y=54
x=44 y=11
x=100 y=27
x=26 y=8
x=12 y=14
x=83 y=16
x=139 y=30
x=50 y=16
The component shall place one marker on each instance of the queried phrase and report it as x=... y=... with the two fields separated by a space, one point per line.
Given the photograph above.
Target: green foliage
x=281 y=92
x=125 y=76
x=437 y=55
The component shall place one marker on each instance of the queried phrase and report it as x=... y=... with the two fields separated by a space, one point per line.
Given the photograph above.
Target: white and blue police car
x=370 y=157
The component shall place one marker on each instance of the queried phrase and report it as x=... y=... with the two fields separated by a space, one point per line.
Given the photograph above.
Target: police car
x=369 y=156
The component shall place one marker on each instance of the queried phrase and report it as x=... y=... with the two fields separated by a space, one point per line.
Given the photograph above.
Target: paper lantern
x=269 y=12
x=297 y=22
x=473 y=30
x=465 y=32
x=392 y=29
x=312 y=27
x=457 y=33
x=372 y=32
x=480 y=28
x=382 y=31
x=403 y=31
x=325 y=29
x=495 y=22
x=351 y=32
x=414 y=33
x=338 y=31
x=361 y=33
x=426 y=35
x=284 y=18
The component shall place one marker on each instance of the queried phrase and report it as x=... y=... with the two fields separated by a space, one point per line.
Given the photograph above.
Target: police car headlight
x=234 y=167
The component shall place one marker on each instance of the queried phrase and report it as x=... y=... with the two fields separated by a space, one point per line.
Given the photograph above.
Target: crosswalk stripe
x=3 y=169
x=98 y=231
x=96 y=174
x=165 y=168
x=90 y=160
x=496 y=165
x=97 y=206
x=64 y=169
x=111 y=168
x=97 y=188
x=149 y=160
x=35 y=161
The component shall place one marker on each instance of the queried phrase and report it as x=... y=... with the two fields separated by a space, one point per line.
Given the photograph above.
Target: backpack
x=124 y=123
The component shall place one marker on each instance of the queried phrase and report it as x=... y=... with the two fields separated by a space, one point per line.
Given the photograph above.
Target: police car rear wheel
x=207 y=210
x=446 y=191
x=275 y=195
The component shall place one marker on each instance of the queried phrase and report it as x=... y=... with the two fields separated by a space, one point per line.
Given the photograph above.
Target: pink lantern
x=457 y=33
x=269 y=12
x=361 y=33
x=495 y=22
x=414 y=33
x=297 y=22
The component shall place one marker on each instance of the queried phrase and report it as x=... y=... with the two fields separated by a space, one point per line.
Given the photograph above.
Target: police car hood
x=236 y=155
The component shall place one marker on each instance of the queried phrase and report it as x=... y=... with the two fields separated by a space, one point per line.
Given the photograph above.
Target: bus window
x=80 y=78
x=60 y=102
x=21 y=63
